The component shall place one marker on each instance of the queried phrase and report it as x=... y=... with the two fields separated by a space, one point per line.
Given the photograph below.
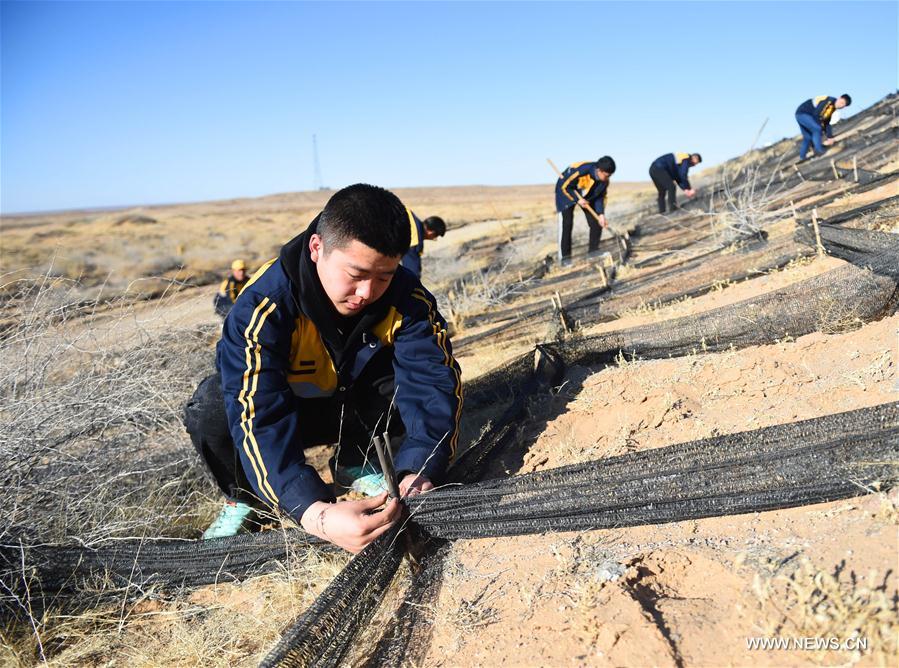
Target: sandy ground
x=689 y=593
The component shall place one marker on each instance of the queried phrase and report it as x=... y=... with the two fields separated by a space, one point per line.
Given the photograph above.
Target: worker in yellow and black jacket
x=322 y=344
x=230 y=288
x=671 y=168
x=428 y=229
x=814 y=116
x=583 y=183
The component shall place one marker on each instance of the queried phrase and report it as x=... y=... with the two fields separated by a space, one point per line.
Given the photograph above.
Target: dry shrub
x=487 y=289
x=91 y=394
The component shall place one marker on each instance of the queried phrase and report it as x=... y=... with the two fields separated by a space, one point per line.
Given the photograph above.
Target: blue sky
x=107 y=104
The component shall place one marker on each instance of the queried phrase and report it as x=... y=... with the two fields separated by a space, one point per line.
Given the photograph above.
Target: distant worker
x=814 y=117
x=668 y=170
x=427 y=229
x=230 y=288
x=585 y=184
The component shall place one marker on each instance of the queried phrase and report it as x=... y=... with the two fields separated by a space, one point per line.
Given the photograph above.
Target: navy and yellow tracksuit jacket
x=820 y=108
x=580 y=179
x=412 y=259
x=676 y=165
x=280 y=344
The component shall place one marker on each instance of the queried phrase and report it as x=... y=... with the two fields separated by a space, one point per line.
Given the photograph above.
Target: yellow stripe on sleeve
x=442 y=335
x=250 y=383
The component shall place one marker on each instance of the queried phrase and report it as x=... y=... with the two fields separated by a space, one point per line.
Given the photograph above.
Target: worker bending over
x=428 y=229
x=585 y=184
x=323 y=342
x=814 y=117
x=230 y=288
x=670 y=169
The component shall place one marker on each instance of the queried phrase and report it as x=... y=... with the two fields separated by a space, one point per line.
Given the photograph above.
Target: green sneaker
x=370 y=485
x=230 y=520
x=366 y=479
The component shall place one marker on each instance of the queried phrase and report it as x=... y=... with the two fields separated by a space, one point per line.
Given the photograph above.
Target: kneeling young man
x=323 y=341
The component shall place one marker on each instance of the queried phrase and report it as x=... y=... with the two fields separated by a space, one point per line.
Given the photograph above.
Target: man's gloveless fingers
x=373 y=502
x=384 y=518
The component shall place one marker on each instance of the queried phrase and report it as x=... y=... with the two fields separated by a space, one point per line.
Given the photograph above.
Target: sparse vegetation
x=809 y=602
x=90 y=415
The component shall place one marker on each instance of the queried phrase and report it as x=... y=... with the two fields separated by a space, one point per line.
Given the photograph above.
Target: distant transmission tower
x=319 y=185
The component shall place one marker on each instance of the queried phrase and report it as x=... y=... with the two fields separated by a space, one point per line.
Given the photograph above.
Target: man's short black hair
x=435 y=224
x=846 y=97
x=697 y=156
x=606 y=164
x=368 y=214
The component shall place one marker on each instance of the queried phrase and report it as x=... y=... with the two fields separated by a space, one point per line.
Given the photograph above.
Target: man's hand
x=351 y=524
x=829 y=141
x=602 y=220
x=582 y=202
x=412 y=484
x=689 y=192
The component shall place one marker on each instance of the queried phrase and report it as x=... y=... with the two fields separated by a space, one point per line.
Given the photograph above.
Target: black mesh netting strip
x=57 y=571
x=407 y=638
x=293 y=650
x=322 y=634
x=594 y=304
x=839 y=453
x=862 y=210
x=829 y=301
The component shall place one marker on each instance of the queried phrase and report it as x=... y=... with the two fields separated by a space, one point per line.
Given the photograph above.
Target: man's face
x=430 y=234
x=840 y=103
x=352 y=277
x=239 y=274
x=694 y=160
x=602 y=176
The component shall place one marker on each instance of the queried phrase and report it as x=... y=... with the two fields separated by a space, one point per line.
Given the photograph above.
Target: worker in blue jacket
x=583 y=183
x=813 y=117
x=428 y=229
x=668 y=170
x=322 y=343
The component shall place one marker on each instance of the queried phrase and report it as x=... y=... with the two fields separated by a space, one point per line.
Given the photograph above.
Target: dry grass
x=809 y=602
x=835 y=316
x=219 y=625
x=196 y=242
x=474 y=612
x=90 y=415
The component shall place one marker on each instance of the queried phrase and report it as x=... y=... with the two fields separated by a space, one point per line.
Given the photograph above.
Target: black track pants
x=366 y=403
x=665 y=186
x=566 y=223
